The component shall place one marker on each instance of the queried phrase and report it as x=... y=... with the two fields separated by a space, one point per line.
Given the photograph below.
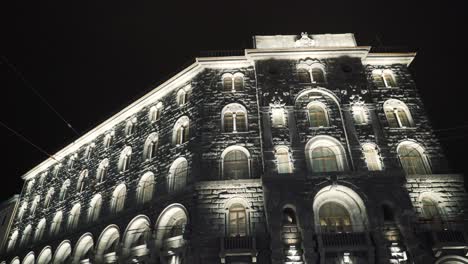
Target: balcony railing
x=344 y=239
x=239 y=246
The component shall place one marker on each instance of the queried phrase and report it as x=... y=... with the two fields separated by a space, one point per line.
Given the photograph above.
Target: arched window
x=124 y=160
x=108 y=139
x=234 y=118
x=56 y=223
x=325 y=154
x=181 y=132
x=107 y=245
x=136 y=237
x=233 y=83
x=71 y=161
x=118 y=198
x=237 y=220
x=22 y=210
x=318 y=116
x=101 y=171
x=397 y=113
x=15 y=261
x=83 y=250
x=372 y=157
x=63 y=253
x=155 y=112
x=181 y=97
x=334 y=217
x=40 y=229
x=235 y=163
x=413 y=159
x=94 y=208
x=42 y=178
x=74 y=217
x=26 y=236
x=289 y=217
x=318 y=76
x=89 y=151
x=30 y=186
x=359 y=114
x=130 y=127
x=283 y=160
x=29 y=259
x=177 y=175
x=81 y=183
x=34 y=204
x=145 y=188
x=12 y=241
x=48 y=198
x=384 y=78
x=151 y=146
x=304 y=76
x=45 y=257
x=64 y=190
x=430 y=209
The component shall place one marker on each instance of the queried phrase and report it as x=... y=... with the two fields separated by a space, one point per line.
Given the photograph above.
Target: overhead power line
x=27 y=140
x=36 y=92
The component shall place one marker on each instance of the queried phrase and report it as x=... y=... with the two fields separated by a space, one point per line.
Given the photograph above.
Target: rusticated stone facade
x=307 y=149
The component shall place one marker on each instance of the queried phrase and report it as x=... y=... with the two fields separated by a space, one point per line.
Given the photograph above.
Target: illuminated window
x=181 y=131
x=34 y=204
x=181 y=97
x=26 y=236
x=289 y=217
x=30 y=186
x=48 y=198
x=311 y=73
x=236 y=163
x=397 y=113
x=118 y=198
x=277 y=117
x=12 y=241
x=150 y=147
x=74 y=217
x=56 y=223
x=359 y=115
x=283 y=160
x=334 y=218
x=125 y=158
x=318 y=116
x=81 y=183
x=130 y=127
x=233 y=82
x=384 y=78
x=64 y=190
x=40 y=229
x=318 y=75
x=372 y=157
x=22 y=210
x=89 y=151
x=94 y=208
x=155 y=112
x=108 y=140
x=237 y=220
x=324 y=160
x=412 y=158
x=177 y=175
x=101 y=171
x=234 y=118
x=145 y=188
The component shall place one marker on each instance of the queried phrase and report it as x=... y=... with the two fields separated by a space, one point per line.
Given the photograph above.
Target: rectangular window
x=277 y=115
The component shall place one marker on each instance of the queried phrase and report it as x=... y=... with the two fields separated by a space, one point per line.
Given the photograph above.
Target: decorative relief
x=304 y=41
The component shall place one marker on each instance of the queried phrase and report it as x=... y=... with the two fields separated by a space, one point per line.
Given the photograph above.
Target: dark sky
x=89 y=59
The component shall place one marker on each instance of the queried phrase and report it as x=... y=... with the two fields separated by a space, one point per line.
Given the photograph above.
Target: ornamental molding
x=304 y=41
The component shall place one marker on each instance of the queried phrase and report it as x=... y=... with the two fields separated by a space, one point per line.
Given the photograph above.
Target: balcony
x=173 y=245
x=139 y=251
x=239 y=246
x=351 y=239
x=443 y=235
x=110 y=257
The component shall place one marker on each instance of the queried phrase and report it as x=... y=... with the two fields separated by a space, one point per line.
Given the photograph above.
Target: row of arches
x=111 y=245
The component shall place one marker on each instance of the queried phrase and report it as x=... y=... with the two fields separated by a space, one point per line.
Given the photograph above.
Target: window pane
x=227 y=84
x=378 y=80
x=391 y=118
x=240 y=122
x=318 y=76
x=372 y=159
x=317 y=116
x=237 y=220
x=324 y=160
x=228 y=122
x=304 y=76
x=236 y=165
x=334 y=217
x=412 y=161
x=239 y=83
x=389 y=79
x=403 y=118
x=284 y=164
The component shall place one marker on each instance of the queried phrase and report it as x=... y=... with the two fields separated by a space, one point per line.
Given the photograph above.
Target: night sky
x=89 y=59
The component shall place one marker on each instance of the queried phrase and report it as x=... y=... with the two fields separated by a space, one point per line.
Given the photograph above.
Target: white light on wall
x=346 y=258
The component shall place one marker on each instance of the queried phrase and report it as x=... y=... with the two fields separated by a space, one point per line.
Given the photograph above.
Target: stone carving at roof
x=304 y=41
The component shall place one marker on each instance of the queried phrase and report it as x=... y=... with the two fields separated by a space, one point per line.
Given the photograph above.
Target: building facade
x=305 y=149
x=7 y=214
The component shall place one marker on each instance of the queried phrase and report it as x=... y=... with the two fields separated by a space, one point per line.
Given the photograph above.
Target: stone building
x=304 y=149
x=7 y=213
